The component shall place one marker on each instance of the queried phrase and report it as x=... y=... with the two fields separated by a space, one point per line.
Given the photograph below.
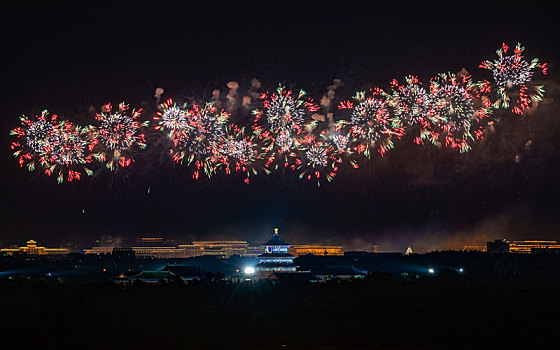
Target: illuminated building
x=123 y=253
x=184 y=251
x=408 y=251
x=315 y=249
x=98 y=250
x=32 y=249
x=526 y=246
x=156 y=252
x=522 y=247
x=223 y=249
x=254 y=251
x=275 y=257
x=150 y=240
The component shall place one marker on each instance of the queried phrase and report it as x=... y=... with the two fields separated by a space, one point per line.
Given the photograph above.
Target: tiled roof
x=276 y=240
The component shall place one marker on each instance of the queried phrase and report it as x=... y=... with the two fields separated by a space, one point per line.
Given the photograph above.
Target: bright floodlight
x=249 y=270
x=430 y=270
x=461 y=269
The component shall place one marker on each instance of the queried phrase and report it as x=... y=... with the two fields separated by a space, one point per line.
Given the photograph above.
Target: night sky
x=66 y=58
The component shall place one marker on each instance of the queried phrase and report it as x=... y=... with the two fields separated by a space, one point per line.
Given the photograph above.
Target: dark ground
x=380 y=312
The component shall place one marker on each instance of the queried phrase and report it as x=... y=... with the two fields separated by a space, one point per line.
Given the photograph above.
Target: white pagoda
x=408 y=251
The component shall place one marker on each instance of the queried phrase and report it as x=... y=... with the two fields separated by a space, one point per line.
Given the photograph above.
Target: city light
x=249 y=270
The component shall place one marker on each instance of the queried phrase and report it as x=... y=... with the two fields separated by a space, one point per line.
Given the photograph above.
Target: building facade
x=275 y=257
x=526 y=247
x=223 y=249
x=315 y=249
x=521 y=247
x=33 y=249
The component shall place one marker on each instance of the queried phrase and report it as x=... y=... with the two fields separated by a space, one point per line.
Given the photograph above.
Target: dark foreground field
x=380 y=312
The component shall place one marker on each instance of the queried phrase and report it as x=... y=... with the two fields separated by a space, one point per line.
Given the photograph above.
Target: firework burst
x=411 y=104
x=66 y=153
x=238 y=153
x=317 y=159
x=370 y=124
x=281 y=124
x=455 y=110
x=32 y=138
x=284 y=111
x=286 y=130
x=199 y=142
x=116 y=135
x=513 y=76
x=172 y=118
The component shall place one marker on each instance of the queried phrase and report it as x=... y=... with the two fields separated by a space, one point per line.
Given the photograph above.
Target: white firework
x=284 y=140
x=317 y=156
x=174 y=118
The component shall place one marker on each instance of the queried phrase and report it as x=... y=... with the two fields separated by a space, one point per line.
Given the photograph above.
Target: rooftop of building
x=276 y=240
x=198 y=243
